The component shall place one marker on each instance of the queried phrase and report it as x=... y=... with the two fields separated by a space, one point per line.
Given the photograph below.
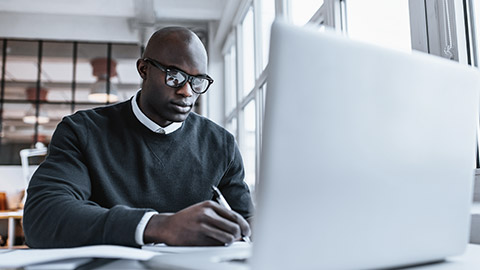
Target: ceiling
x=129 y=22
x=179 y=10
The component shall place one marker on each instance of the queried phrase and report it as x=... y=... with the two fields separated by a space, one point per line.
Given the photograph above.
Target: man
x=142 y=171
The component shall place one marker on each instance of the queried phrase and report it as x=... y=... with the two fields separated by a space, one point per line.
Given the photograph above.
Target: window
x=230 y=64
x=232 y=126
x=301 y=11
x=385 y=23
x=2 y=87
x=245 y=71
x=475 y=26
x=20 y=100
x=267 y=16
x=398 y=24
x=447 y=28
x=248 y=52
x=248 y=143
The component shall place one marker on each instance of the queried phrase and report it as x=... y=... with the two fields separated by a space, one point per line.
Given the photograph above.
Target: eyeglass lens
x=176 y=78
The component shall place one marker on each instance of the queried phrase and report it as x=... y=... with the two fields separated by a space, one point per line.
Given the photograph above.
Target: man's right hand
x=202 y=224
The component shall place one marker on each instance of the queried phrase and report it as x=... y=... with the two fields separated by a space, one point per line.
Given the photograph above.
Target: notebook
x=368 y=158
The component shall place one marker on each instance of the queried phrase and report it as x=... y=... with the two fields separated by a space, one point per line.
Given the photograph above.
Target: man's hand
x=203 y=224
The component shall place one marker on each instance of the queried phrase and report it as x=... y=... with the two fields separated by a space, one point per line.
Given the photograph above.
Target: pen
x=217 y=195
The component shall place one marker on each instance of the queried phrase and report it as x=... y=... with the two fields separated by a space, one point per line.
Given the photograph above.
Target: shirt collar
x=149 y=123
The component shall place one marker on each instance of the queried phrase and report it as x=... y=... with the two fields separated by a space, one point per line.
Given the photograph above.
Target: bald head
x=176 y=45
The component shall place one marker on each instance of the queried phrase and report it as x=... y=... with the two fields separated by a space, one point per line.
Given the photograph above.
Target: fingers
x=226 y=226
x=205 y=223
x=234 y=217
x=218 y=235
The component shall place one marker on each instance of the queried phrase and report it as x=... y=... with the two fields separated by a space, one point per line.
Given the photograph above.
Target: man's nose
x=185 y=90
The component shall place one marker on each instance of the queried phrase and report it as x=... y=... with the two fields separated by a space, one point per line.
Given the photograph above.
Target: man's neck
x=154 y=117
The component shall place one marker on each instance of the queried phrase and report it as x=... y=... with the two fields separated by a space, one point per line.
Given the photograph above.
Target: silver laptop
x=367 y=161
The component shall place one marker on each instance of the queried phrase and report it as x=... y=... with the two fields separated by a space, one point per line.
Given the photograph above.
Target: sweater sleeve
x=233 y=186
x=58 y=212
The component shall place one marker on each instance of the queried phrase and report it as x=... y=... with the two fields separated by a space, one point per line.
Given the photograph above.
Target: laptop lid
x=368 y=155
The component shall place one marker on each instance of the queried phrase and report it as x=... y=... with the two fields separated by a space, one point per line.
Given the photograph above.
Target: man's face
x=160 y=102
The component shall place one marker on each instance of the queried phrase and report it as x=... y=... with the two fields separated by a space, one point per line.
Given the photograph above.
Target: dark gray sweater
x=105 y=169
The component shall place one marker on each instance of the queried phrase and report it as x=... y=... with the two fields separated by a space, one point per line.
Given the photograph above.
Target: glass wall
x=245 y=53
x=47 y=80
x=301 y=11
x=248 y=142
x=248 y=52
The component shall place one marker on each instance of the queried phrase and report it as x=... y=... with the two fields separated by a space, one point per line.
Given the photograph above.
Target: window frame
x=430 y=33
x=329 y=14
x=39 y=83
x=438 y=24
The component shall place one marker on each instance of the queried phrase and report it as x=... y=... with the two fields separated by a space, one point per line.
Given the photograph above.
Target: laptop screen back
x=368 y=155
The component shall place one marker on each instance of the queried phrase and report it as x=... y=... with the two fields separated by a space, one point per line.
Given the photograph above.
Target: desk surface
x=470 y=260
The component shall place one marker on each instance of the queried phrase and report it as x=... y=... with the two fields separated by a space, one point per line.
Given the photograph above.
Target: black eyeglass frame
x=186 y=75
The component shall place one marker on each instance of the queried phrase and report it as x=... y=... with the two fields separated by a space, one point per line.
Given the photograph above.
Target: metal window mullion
x=37 y=98
x=259 y=107
x=343 y=13
x=228 y=74
x=434 y=27
x=246 y=99
x=418 y=25
x=2 y=86
x=471 y=41
x=226 y=77
x=257 y=95
x=74 y=75
x=258 y=130
x=242 y=10
x=282 y=8
x=438 y=28
x=472 y=32
x=109 y=68
x=333 y=14
x=229 y=42
x=460 y=28
x=257 y=38
x=319 y=17
x=239 y=71
x=262 y=78
x=258 y=42
x=230 y=117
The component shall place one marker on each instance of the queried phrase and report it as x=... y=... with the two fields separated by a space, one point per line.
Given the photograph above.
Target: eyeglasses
x=177 y=78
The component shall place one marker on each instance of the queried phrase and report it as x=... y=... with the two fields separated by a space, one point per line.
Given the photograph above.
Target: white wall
x=66 y=27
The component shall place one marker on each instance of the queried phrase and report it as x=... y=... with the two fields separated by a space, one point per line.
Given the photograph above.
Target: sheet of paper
x=162 y=248
x=24 y=257
x=59 y=265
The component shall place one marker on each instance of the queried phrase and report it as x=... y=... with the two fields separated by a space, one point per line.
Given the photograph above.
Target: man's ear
x=142 y=68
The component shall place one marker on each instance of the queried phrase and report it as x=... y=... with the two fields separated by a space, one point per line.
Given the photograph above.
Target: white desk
x=470 y=260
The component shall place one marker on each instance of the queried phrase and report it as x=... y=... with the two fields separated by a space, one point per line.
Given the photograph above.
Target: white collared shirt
x=148 y=122
x=140 y=230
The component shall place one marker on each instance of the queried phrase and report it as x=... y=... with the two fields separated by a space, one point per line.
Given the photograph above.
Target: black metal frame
x=37 y=102
x=185 y=74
